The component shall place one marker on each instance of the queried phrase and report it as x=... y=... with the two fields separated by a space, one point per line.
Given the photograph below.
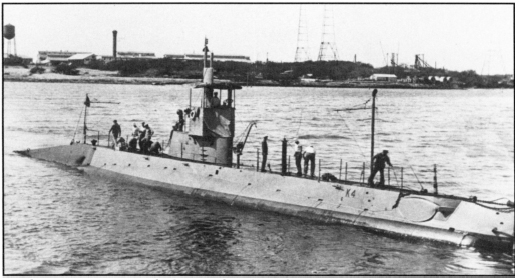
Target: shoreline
x=133 y=81
x=173 y=81
x=91 y=76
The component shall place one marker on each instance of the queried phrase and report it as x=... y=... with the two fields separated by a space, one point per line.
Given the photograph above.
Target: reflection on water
x=202 y=246
x=57 y=220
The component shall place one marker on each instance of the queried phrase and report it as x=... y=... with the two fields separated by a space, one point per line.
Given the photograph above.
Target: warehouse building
x=54 y=58
x=383 y=77
x=81 y=59
x=236 y=58
x=135 y=55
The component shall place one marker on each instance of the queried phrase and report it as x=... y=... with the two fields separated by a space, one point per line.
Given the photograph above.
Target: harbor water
x=58 y=220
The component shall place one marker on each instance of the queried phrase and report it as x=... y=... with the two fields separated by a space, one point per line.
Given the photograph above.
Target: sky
x=458 y=37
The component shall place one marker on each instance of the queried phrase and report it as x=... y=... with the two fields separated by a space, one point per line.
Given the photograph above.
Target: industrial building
x=223 y=58
x=126 y=56
x=135 y=55
x=81 y=59
x=383 y=77
x=54 y=57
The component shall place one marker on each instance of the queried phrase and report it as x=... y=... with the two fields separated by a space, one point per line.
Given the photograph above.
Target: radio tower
x=328 y=50
x=302 y=38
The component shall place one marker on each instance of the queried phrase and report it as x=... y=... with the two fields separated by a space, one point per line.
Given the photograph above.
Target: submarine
x=198 y=161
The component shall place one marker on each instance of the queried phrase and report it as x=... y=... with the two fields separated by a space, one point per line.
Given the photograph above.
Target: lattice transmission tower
x=328 y=49
x=302 y=50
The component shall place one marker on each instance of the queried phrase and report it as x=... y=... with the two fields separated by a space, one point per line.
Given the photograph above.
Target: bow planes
x=198 y=161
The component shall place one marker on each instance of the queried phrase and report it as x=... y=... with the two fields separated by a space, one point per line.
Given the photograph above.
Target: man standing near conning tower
x=115 y=130
x=215 y=101
x=378 y=166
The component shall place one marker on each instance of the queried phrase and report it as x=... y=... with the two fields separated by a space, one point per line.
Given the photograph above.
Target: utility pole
x=84 y=124
x=373 y=129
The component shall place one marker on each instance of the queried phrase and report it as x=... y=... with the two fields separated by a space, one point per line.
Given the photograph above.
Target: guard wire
x=77 y=125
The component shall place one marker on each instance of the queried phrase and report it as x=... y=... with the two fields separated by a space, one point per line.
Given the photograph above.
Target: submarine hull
x=430 y=217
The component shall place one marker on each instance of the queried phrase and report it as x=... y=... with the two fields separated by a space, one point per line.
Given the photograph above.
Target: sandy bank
x=21 y=74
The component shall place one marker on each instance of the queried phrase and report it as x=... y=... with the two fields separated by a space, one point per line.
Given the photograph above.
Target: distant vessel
x=199 y=162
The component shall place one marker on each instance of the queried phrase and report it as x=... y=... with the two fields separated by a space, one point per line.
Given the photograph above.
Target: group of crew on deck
x=308 y=154
x=141 y=137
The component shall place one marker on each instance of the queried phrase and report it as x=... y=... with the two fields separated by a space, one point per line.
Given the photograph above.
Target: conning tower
x=208 y=130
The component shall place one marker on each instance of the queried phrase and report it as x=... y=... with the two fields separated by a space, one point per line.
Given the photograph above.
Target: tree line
x=286 y=72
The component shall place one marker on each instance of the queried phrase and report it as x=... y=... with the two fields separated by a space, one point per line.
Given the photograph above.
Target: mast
x=84 y=126
x=87 y=104
x=373 y=129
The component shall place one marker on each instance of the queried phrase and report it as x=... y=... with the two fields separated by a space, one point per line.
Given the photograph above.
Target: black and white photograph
x=258 y=139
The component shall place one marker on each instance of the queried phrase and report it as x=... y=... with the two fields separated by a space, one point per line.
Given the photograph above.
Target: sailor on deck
x=264 y=152
x=378 y=166
x=121 y=144
x=147 y=139
x=132 y=145
x=179 y=126
x=155 y=148
x=115 y=130
x=309 y=156
x=142 y=134
x=298 y=155
x=135 y=132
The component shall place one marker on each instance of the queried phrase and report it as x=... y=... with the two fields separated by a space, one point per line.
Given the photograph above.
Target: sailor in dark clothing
x=121 y=144
x=298 y=155
x=155 y=148
x=115 y=130
x=132 y=145
x=265 y=152
x=146 y=141
x=142 y=139
x=215 y=101
x=180 y=124
x=378 y=166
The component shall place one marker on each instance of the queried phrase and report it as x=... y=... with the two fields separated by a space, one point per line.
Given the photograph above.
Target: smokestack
x=211 y=61
x=115 y=44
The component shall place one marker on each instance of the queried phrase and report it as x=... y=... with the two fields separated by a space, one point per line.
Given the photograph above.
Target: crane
x=241 y=144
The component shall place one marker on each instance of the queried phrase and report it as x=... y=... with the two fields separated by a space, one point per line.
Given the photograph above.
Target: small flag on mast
x=206 y=41
x=87 y=101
